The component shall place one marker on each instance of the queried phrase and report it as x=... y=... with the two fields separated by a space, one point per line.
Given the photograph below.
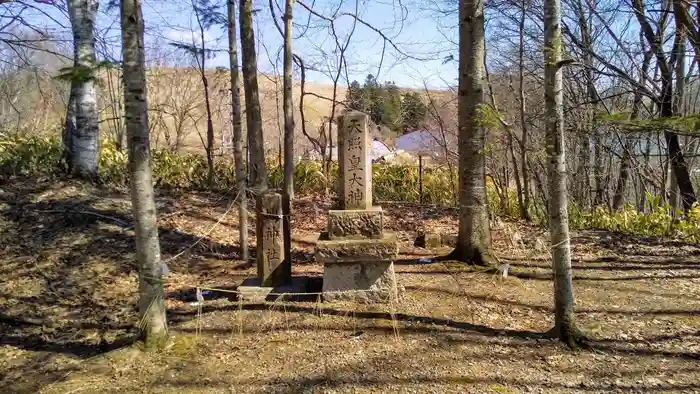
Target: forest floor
x=69 y=287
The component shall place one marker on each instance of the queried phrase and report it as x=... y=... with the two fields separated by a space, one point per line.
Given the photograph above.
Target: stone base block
x=251 y=291
x=356 y=250
x=361 y=281
x=356 y=223
x=435 y=240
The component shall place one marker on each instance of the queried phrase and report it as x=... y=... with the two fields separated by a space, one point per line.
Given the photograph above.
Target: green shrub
x=31 y=156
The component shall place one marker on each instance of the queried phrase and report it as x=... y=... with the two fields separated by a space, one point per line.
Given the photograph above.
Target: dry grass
x=69 y=288
x=175 y=96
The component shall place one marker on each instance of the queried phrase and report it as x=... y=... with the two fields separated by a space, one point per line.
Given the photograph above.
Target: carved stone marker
x=357 y=254
x=355 y=187
x=274 y=269
x=274 y=265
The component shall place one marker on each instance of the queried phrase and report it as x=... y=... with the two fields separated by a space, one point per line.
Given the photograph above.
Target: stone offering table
x=357 y=254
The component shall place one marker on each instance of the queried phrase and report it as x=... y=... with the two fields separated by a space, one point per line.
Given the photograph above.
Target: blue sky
x=422 y=40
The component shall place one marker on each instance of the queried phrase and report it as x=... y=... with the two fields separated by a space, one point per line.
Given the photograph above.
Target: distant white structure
x=420 y=143
x=378 y=150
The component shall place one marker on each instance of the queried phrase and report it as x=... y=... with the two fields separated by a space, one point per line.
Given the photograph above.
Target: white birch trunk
x=82 y=135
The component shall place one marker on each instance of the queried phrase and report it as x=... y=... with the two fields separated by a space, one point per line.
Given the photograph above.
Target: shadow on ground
x=69 y=289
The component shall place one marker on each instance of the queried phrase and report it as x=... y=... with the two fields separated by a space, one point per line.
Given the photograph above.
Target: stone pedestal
x=357 y=255
x=358 y=269
x=366 y=281
x=356 y=223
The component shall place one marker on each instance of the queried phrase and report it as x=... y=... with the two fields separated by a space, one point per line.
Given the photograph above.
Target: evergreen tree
x=414 y=111
x=373 y=98
x=391 y=106
x=385 y=104
x=354 y=98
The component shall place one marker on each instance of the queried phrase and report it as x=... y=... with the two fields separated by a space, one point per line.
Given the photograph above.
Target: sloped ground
x=68 y=292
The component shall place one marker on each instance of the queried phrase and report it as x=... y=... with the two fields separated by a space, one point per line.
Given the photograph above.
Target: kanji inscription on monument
x=273 y=270
x=355 y=166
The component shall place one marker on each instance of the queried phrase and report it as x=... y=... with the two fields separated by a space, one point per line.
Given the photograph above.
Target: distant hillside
x=178 y=117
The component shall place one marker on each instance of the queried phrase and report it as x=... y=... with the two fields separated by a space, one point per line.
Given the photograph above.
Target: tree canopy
x=386 y=104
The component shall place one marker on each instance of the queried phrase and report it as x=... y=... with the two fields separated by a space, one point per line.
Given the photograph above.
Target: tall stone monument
x=357 y=254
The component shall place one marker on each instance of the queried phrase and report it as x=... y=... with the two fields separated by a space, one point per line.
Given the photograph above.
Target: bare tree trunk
x=583 y=173
x=201 y=57
x=641 y=205
x=210 y=132
x=590 y=127
x=115 y=97
x=626 y=162
x=523 y=123
x=256 y=147
x=288 y=104
x=474 y=238
x=565 y=321
x=82 y=134
x=288 y=108
x=151 y=303
x=677 y=161
x=598 y=171
x=237 y=132
x=678 y=104
x=518 y=185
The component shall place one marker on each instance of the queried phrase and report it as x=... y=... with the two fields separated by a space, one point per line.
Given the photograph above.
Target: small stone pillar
x=274 y=267
x=357 y=254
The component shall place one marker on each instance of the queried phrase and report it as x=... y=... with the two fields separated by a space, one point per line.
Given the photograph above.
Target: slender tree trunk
x=518 y=185
x=583 y=172
x=565 y=322
x=201 y=56
x=626 y=162
x=598 y=169
x=523 y=123
x=288 y=104
x=82 y=134
x=115 y=96
x=677 y=161
x=474 y=238
x=69 y=129
x=288 y=108
x=210 y=131
x=678 y=104
x=641 y=206
x=506 y=177
x=151 y=303
x=591 y=127
x=237 y=132
x=256 y=147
